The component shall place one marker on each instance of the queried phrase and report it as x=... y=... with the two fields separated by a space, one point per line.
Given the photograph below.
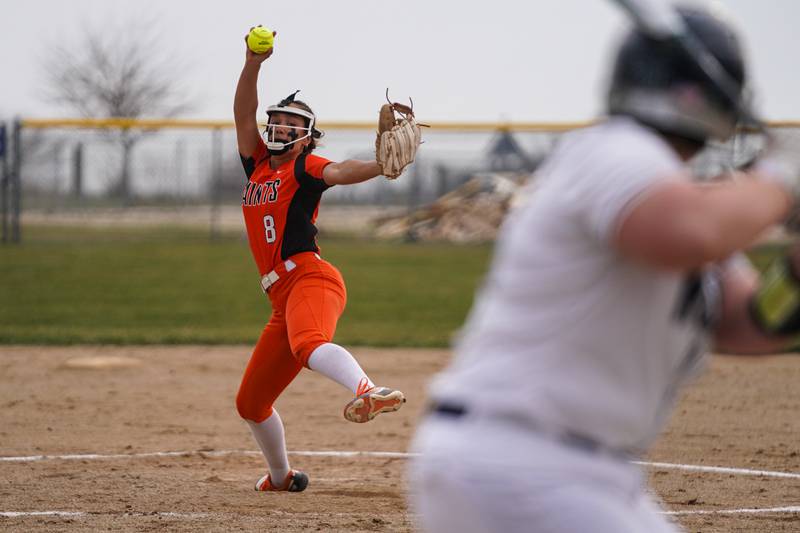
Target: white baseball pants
x=487 y=476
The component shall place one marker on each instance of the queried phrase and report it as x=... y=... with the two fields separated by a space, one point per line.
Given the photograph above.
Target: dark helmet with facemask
x=296 y=133
x=657 y=83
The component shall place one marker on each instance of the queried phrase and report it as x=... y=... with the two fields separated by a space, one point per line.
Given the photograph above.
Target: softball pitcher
x=280 y=202
x=606 y=290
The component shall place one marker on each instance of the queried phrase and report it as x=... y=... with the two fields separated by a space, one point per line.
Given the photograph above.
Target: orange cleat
x=296 y=481
x=372 y=401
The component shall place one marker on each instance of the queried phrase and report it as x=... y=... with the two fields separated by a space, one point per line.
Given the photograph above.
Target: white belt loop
x=268 y=280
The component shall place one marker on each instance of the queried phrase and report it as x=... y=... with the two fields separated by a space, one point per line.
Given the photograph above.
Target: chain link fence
x=189 y=172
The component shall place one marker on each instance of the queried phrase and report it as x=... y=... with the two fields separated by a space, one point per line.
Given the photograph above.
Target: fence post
x=16 y=182
x=77 y=170
x=4 y=178
x=216 y=180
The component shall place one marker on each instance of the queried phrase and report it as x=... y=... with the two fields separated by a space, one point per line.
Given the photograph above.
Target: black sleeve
x=249 y=165
x=305 y=179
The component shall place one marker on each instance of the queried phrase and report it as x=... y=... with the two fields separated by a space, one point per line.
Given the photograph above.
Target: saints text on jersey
x=260 y=193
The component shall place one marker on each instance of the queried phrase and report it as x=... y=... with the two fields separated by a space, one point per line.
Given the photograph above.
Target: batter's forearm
x=684 y=226
x=736 y=215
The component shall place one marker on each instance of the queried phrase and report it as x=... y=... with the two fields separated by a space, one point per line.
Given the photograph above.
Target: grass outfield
x=67 y=285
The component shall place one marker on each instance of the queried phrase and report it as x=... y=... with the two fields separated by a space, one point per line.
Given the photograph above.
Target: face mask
x=277 y=147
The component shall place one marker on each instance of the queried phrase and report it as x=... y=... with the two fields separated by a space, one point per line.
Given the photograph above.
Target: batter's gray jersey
x=566 y=332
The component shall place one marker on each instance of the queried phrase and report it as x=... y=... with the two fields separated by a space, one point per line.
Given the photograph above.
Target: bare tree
x=117 y=72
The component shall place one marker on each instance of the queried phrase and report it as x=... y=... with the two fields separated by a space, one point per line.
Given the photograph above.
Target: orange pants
x=306 y=305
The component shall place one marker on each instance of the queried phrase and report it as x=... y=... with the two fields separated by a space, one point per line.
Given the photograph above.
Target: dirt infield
x=147 y=438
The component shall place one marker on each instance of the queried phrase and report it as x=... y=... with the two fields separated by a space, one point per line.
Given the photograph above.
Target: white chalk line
x=18 y=514
x=719 y=470
x=791 y=509
x=190 y=516
x=203 y=453
x=194 y=516
x=344 y=453
x=84 y=514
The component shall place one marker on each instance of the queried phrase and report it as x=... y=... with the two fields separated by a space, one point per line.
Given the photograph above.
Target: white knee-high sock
x=270 y=438
x=336 y=363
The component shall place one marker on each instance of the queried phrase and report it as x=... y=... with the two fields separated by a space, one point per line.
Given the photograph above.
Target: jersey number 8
x=269 y=228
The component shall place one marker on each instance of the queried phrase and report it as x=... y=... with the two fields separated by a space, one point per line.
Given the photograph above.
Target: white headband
x=292 y=111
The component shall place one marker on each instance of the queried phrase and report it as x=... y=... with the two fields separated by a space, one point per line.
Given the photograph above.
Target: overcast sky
x=461 y=60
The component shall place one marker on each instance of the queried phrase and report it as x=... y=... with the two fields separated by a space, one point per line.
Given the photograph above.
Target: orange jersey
x=280 y=206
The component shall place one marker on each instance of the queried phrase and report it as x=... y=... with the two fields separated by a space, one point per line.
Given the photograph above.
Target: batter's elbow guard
x=775 y=306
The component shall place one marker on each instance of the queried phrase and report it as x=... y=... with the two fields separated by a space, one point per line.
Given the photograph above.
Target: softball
x=259 y=40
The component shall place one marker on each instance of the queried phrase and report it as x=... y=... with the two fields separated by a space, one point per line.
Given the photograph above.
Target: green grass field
x=169 y=285
x=67 y=285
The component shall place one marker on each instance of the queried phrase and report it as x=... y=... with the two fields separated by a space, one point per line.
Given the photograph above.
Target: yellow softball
x=260 y=39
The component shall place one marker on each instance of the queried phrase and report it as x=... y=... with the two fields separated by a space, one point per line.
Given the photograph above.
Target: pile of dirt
x=471 y=213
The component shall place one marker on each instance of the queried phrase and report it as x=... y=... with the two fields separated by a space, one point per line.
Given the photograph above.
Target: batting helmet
x=656 y=82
